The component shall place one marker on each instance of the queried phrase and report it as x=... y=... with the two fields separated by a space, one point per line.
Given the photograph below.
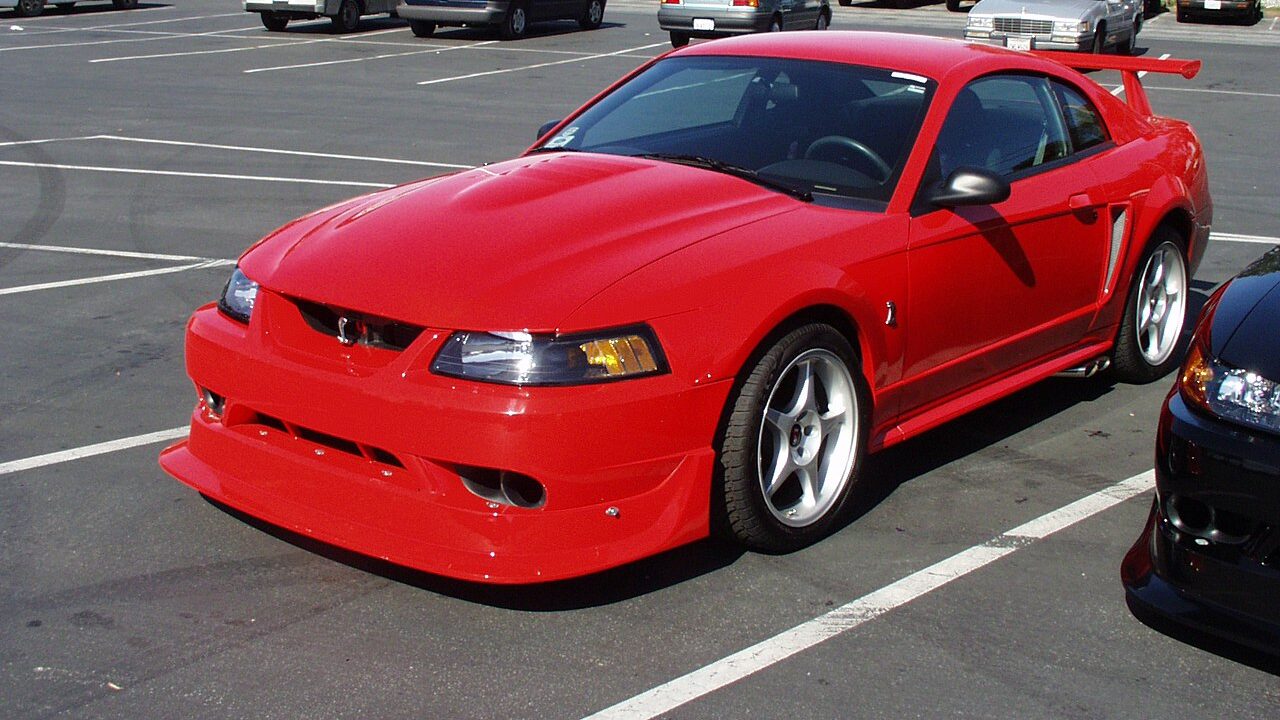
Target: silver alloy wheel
x=517 y=20
x=1161 y=303
x=806 y=449
x=595 y=12
x=822 y=22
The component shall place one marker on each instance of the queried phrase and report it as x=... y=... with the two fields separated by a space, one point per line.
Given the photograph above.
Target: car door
x=995 y=288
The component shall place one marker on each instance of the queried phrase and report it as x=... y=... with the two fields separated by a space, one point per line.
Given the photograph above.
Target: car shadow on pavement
x=1203 y=641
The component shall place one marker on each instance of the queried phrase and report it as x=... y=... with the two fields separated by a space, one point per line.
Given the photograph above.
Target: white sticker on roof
x=908 y=76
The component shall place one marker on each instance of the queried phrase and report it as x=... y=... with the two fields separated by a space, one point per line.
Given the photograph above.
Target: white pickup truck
x=32 y=8
x=345 y=14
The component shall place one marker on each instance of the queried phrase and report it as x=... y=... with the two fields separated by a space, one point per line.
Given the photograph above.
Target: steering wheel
x=833 y=144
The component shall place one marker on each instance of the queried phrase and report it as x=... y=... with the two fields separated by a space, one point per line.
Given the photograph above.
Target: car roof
x=932 y=57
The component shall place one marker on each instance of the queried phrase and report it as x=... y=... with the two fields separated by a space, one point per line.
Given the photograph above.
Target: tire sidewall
x=1128 y=363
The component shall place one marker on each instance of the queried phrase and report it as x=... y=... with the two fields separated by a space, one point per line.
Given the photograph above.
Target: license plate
x=704 y=24
x=1212 y=4
x=1017 y=43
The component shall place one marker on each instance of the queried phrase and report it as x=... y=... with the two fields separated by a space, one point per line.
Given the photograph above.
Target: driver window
x=1006 y=124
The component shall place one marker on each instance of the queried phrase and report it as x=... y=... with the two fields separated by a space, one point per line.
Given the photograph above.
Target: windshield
x=830 y=129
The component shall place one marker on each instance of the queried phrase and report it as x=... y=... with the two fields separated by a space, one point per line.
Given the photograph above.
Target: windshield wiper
x=545 y=148
x=730 y=169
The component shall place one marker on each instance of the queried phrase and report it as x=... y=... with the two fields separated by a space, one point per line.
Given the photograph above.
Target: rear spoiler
x=1129 y=68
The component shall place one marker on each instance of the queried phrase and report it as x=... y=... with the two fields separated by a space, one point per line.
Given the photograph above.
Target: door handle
x=1082 y=205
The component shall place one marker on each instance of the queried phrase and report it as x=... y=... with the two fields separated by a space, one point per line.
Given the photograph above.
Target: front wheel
x=679 y=39
x=823 y=22
x=1154 y=313
x=516 y=23
x=274 y=21
x=422 y=28
x=794 y=441
x=592 y=15
x=348 y=17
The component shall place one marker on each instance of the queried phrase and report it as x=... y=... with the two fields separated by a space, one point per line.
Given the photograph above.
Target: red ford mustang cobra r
x=696 y=303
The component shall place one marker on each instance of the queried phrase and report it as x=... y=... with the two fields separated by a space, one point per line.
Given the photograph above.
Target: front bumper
x=1225 y=588
x=455 y=13
x=296 y=8
x=1082 y=43
x=361 y=448
x=728 y=20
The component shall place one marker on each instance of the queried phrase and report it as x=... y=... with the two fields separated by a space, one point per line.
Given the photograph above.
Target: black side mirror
x=970 y=186
x=546 y=128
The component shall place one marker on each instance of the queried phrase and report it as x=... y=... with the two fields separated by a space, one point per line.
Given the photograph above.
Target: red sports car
x=696 y=304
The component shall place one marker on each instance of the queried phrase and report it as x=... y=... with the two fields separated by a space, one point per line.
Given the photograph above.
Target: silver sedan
x=1082 y=25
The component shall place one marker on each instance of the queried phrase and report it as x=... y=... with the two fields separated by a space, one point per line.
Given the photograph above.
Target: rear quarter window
x=1084 y=123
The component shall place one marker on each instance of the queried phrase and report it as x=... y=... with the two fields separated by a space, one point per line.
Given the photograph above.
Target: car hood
x=1246 y=317
x=1065 y=9
x=511 y=246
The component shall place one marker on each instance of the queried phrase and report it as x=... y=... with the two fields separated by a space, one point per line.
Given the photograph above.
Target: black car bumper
x=454 y=13
x=1209 y=557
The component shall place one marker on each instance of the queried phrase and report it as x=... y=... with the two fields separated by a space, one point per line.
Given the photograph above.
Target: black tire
x=592 y=15
x=846 y=3
x=422 y=28
x=1099 y=40
x=823 y=22
x=953 y=5
x=124 y=4
x=274 y=22
x=348 y=17
x=516 y=24
x=743 y=511
x=1126 y=46
x=776 y=25
x=1182 y=15
x=29 y=8
x=679 y=39
x=1128 y=363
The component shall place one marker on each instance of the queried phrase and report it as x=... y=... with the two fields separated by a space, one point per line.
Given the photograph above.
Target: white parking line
x=540 y=65
x=1209 y=91
x=116 y=276
x=279 y=42
x=12 y=143
x=429 y=49
x=117 y=41
x=275 y=151
x=708 y=679
x=178 y=173
x=108 y=253
x=1255 y=239
x=101 y=448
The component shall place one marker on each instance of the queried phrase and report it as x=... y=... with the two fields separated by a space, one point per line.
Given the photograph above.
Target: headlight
x=1231 y=393
x=238 y=296
x=521 y=358
x=980 y=23
x=1070 y=27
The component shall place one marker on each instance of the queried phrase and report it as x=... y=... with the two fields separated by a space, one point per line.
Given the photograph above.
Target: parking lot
x=141 y=152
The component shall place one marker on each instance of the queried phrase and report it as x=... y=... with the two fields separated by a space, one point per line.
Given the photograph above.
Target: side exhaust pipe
x=1088 y=370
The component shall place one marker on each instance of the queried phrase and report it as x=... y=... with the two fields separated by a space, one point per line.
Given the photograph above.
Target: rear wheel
x=348 y=17
x=823 y=22
x=1148 y=338
x=592 y=15
x=29 y=8
x=794 y=441
x=1126 y=46
x=516 y=23
x=422 y=28
x=274 y=21
x=1182 y=15
x=953 y=5
x=1099 y=39
x=679 y=39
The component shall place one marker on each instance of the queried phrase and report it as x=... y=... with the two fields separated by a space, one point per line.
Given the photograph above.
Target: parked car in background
x=1246 y=10
x=1209 y=556
x=1077 y=25
x=686 y=19
x=345 y=14
x=510 y=17
x=32 y=8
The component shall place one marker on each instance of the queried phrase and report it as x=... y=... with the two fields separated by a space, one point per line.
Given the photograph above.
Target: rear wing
x=1129 y=68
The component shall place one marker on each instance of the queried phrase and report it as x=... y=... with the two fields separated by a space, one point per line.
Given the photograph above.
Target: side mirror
x=970 y=186
x=546 y=128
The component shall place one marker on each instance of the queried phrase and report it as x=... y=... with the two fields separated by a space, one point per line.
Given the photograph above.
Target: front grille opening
x=1023 y=27
x=355 y=328
x=214 y=402
x=503 y=487
x=333 y=442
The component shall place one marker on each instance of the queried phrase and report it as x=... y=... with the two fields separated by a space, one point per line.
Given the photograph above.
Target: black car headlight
x=1232 y=393
x=521 y=358
x=238 y=296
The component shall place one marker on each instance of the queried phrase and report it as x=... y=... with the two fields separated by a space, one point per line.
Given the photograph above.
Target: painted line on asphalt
x=85 y=451
x=540 y=65
x=117 y=41
x=1208 y=91
x=1255 y=239
x=116 y=276
x=13 y=143
x=44 y=20
x=710 y=678
x=275 y=151
x=109 y=253
x=214 y=176
x=437 y=49
x=279 y=42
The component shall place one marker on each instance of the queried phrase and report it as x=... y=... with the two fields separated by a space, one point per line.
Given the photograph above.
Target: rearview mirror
x=546 y=128
x=970 y=186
